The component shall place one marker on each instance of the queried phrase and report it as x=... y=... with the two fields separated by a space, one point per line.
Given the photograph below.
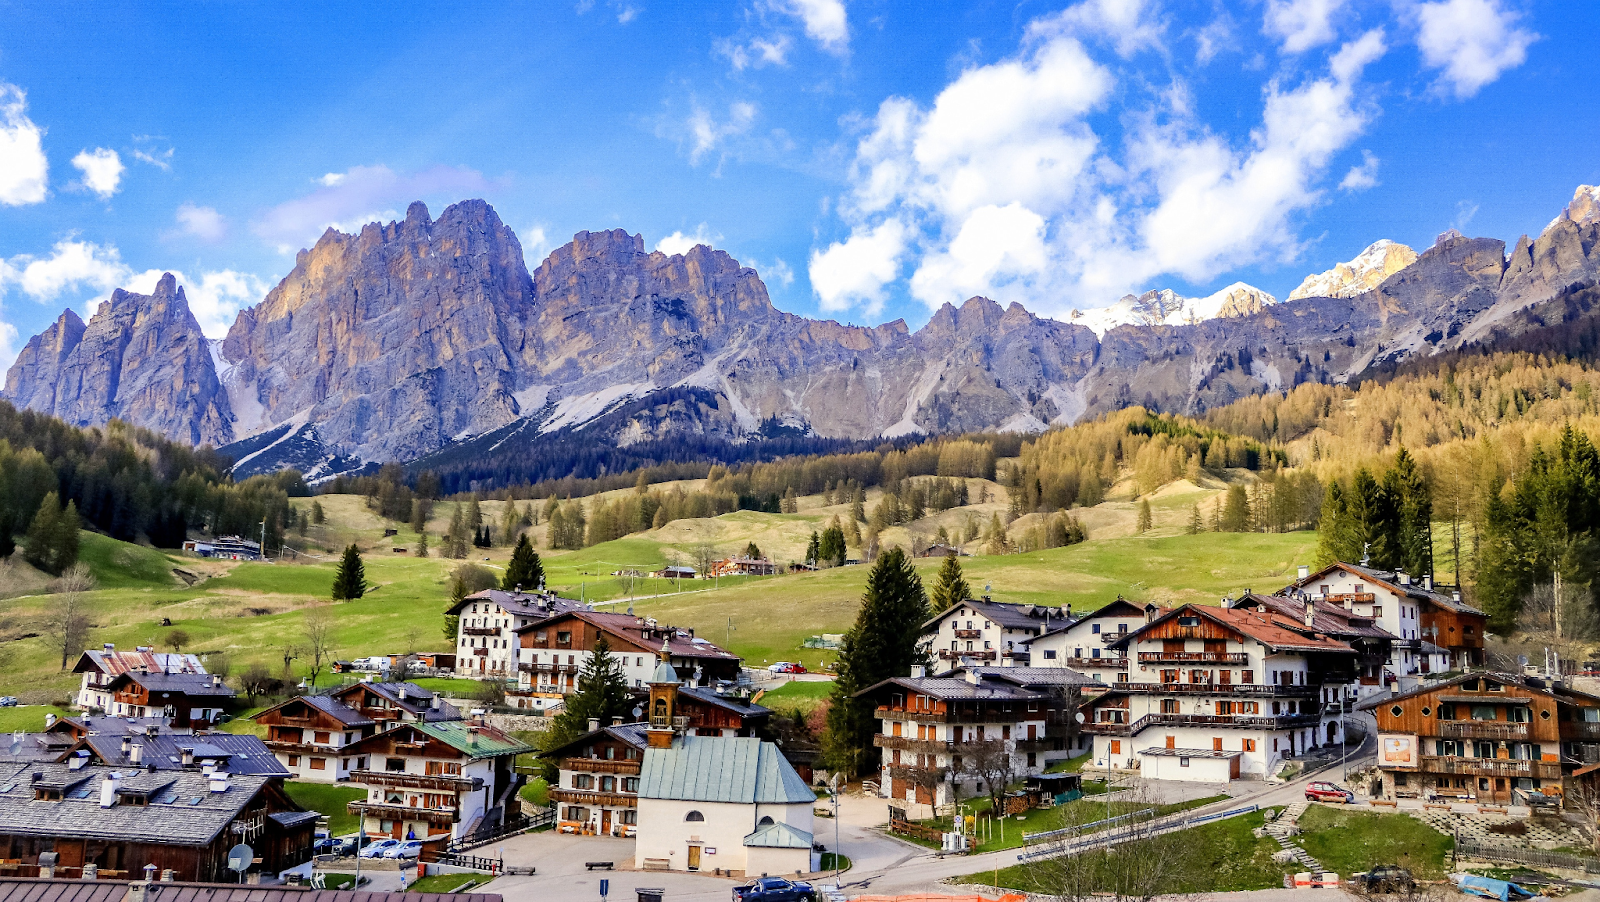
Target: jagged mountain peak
x=1165 y=307
x=1377 y=262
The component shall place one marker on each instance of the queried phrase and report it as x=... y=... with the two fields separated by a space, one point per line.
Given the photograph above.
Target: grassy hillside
x=251 y=611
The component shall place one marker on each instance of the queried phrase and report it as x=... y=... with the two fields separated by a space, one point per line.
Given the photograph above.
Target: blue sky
x=871 y=159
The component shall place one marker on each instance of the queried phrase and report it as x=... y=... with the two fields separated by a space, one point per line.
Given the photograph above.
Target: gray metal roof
x=741 y=770
x=951 y=688
x=1011 y=616
x=197 y=685
x=185 y=813
x=779 y=836
x=338 y=710
x=242 y=753
x=1030 y=677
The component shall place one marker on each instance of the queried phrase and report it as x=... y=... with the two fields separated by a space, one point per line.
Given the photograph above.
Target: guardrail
x=1072 y=839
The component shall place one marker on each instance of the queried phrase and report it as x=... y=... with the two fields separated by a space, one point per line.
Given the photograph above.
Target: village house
x=1490 y=737
x=100 y=667
x=1216 y=693
x=743 y=566
x=194 y=700
x=80 y=820
x=597 y=792
x=986 y=632
x=423 y=779
x=313 y=735
x=932 y=729
x=154 y=750
x=486 y=640
x=555 y=649
x=1372 y=643
x=1085 y=645
x=1435 y=631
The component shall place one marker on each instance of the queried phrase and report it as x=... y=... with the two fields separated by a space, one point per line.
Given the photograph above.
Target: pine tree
x=1413 y=506
x=814 y=550
x=509 y=522
x=474 y=513
x=455 y=538
x=858 y=512
x=421 y=510
x=881 y=644
x=752 y=552
x=317 y=516
x=1196 y=524
x=422 y=544
x=350 y=582
x=525 y=569
x=1236 y=510
x=949 y=587
x=52 y=539
x=1144 y=516
x=602 y=695
x=831 y=549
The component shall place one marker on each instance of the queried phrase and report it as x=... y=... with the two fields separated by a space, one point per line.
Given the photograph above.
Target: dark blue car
x=774 y=889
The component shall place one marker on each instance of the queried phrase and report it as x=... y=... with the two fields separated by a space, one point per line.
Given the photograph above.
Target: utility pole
x=263 y=539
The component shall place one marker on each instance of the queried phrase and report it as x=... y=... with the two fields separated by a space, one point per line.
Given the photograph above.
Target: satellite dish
x=1078 y=717
x=240 y=857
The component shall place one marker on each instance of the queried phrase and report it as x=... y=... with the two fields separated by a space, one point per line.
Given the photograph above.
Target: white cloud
x=1471 y=42
x=24 y=169
x=204 y=223
x=102 y=170
x=825 y=21
x=1302 y=24
x=1361 y=177
x=759 y=52
x=146 y=150
x=1002 y=186
x=348 y=200
x=679 y=243
x=707 y=133
x=10 y=344
x=86 y=271
x=1129 y=25
x=536 y=245
x=858 y=270
x=777 y=270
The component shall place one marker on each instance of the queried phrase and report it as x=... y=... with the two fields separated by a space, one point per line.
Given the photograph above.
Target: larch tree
x=1145 y=517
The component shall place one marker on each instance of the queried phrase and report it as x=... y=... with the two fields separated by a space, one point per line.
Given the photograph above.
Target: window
x=630 y=784
x=320 y=737
x=563 y=637
x=319 y=764
x=1518 y=714
x=582 y=781
x=1188 y=621
x=1247 y=676
x=1183 y=762
x=1094 y=628
x=1249 y=745
x=1483 y=712
x=1049 y=654
x=441 y=768
x=765 y=821
x=1396 y=710
x=1169 y=706
x=394 y=765
x=294 y=760
x=1447 y=712
x=694 y=817
x=1426 y=710
x=608 y=784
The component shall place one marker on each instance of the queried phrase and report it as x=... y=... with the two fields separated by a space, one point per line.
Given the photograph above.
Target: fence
x=1510 y=854
x=512 y=826
x=1125 y=827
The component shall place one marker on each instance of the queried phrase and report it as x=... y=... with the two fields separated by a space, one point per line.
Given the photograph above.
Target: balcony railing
x=907 y=744
x=481 y=630
x=951 y=654
x=300 y=748
x=958 y=716
x=1490 y=767
x=602 y=765
x=1340 y=598
x=587 y=797
x=1112 y=663
x=442 y=816
x=1580 y=729
x=437 y=782
x=969 y=634
x=1196 y=657
x=1106 y=728
x=1252 y=690
x=1483 y=729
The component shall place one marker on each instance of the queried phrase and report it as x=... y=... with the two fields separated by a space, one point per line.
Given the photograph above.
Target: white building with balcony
x=1088 y=645
x=986 y=633
x=486 y=633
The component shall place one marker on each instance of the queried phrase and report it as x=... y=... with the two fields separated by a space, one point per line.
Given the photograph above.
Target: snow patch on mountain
x=1380 y=260
x=1165 y=307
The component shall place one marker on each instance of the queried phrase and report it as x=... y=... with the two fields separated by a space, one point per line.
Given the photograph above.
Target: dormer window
x=1188 y=621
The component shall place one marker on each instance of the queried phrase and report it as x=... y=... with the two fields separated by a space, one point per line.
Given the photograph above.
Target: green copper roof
x=487 y=742
x=779 y=836
x=737 y=769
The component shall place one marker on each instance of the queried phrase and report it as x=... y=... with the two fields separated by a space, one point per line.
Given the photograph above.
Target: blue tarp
x=1503 y=890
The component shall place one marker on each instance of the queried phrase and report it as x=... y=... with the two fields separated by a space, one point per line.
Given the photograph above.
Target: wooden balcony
x=951 y=654
x=1490 y=767
x=602 y=765
x=300 y=748
x=1341 y=598
x=908 y=744
x=1246 y=690
x=969 y=634
x=1106 y=728
x=599 y=799
x=440 y=816
x=1112 y=663
x=481 y=630
x=1484 y=729
x=1580 y=729
x=436 y=782
x=1193 y=657
x=994 y=716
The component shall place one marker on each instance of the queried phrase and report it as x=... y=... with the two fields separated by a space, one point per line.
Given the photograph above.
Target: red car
x=1329 y=792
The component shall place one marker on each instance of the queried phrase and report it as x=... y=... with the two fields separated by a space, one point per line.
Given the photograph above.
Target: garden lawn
x=794 y=694
x=1042 y=820
x=447 y=686
x=330 y=799
x=28 y=718
x=444 y=883
x=1219 y=857
x=1348 y=841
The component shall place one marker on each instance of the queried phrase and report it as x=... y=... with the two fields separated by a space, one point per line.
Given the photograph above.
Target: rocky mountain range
x=419 y=336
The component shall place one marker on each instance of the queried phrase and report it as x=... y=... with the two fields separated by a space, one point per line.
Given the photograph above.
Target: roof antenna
x=1366 y=558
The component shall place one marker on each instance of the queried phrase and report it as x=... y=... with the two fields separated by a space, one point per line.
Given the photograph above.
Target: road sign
x=240 y=857
x=605 y=887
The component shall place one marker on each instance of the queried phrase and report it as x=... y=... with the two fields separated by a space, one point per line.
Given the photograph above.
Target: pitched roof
x=681 y=643
x=1521 y=682
x=477 y=741
x=143 y=659
x=1390 y=579
x=627 y=733
x=1271 y=629
x=952 y=688
x=744 y=707
x=236 y=753
x=1326 y=617
x=186 y=812
x=1010 y=616
x=194 y=685
x=742 y=770
x=778 y=836
x=1034 y=677
x=521 y=604
x=27 y=889
x=416 y=700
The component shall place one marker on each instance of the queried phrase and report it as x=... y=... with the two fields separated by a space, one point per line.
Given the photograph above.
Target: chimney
x=1427 y=582
x=434 y=703
x=1311 y=612
x=188 y=756
x=616 y=721
x=219 y=781
x=974 y=677
x=1456 y=595
x=78 y=760
x=108 y=789
x=918 y=671
x=402 y=693
x=594 y=724
x=208 y=768
x=110 y=647
x=127 y=745
x=1305 y=572
x=49 y=721
x=136 y=755
x=1404 y=577
x=216 y=681
x=151 y=730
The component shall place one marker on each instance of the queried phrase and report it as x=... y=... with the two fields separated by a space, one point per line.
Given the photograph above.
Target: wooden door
x=1172 y=742
x=605 y=821
x=694 y=858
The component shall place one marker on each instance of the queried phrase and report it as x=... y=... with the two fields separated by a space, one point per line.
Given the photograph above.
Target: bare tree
x=413 y=636
x=1585 y=800
x=289 y=651
x=68 y=623
x=991 y=761
x=256 y=681
x=1133 y=862
x=318 y=631
x=704 y=557
x=219 y=664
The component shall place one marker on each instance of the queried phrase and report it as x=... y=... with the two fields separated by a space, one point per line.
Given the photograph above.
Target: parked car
x=377 y=849
x=1385 y=878
x=8 y=701
x=327 y=845
x=1329 y=792
x=411 y=848
x=774 y=889
x=780 y=667
x=354 y=843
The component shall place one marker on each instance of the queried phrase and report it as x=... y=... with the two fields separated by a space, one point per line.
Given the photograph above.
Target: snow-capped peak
x=1164 y=307
x=1381 y=259
x=1584 y=209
